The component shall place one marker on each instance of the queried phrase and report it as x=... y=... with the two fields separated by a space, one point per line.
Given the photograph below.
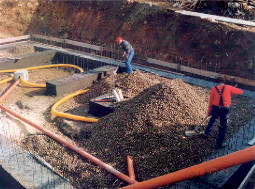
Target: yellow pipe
x=45 y=66
x=38 y=67
x=32 y=84
x=70 y=116
x=6 y=80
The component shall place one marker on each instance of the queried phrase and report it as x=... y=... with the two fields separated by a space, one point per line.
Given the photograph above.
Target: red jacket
x=215 y=97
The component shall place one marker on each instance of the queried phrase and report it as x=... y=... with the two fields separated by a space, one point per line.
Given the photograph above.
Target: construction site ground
x=149 y=126
x=152 y=27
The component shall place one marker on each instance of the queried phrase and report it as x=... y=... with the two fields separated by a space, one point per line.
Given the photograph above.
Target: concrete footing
x=76 y=81
x=29 y=60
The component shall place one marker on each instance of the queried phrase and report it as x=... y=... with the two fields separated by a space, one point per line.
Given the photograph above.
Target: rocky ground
x=149 y=126
x=243 y=9
x=152 y=27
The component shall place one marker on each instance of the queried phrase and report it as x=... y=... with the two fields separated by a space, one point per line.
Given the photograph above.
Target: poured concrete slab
x=29 y=60
x=76 y=82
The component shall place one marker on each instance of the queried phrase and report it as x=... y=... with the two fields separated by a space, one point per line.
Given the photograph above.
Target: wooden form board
x=238 y=80
x=183 y=68
x=94 y=47
x=67 y=41
x=204 y=73
x=219 y=18
x=48 y=38
x=162 y=63
x=12 y=39
x=175 y=66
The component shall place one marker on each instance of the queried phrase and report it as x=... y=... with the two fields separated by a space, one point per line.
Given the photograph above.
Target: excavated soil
x=152 y=27
x=149 y=126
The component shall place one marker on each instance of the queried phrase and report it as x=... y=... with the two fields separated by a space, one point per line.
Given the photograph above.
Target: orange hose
x=69 y=145
x=130 y=168
x=231 y=160
x=9 y=90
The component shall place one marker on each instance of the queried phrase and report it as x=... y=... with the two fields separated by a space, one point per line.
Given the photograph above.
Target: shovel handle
x=202 y=122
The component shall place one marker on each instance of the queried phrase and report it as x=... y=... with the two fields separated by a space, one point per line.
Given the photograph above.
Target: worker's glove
x=114 y=72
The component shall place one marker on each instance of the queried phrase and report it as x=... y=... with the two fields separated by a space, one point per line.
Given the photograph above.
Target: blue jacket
x=126 y=47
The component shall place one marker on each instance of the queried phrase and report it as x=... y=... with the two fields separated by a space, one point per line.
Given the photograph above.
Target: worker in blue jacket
x=128 y=53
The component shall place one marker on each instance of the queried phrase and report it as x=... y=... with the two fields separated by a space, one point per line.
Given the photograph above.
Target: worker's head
x=119 y=40
x=220 y=80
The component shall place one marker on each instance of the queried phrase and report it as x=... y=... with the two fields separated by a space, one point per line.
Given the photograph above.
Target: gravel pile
x=149 y=126
x=18 y=51
x=22 y=50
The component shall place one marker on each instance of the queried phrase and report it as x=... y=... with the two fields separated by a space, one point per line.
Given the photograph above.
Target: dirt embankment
x=153 y=31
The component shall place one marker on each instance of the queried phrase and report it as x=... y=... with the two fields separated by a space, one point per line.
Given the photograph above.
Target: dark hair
x=220 y=80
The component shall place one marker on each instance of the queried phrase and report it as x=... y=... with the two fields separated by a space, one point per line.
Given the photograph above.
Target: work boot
x=220 y=146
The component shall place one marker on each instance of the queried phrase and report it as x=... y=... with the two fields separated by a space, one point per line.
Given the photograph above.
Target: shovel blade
x=190 y=133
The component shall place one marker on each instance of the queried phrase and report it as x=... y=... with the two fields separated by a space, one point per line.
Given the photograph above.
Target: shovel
x=193 y=130
x=115 y=72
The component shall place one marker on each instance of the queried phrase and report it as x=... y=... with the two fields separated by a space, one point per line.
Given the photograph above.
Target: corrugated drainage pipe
x=230 y=160
x=76 y=149
x=70 y=116
x=45 y=66
x=6 y=80
x=32 y=84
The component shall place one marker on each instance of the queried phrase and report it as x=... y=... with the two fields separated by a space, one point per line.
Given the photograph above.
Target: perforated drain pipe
x=224 y=162
x=76 y=149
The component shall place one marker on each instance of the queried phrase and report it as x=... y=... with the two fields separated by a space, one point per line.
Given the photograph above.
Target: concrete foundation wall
x=28 y=60
x=76 y=82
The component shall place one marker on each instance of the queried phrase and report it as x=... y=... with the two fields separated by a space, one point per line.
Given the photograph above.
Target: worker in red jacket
x=219 y=106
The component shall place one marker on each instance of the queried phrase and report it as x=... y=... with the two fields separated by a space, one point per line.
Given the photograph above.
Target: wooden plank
x=162 y=63
x=219 y=18
x=205 y=73
x=238 y=80
x=94 y=47
x=71 y=42
x=14 y=39
x=48 y=38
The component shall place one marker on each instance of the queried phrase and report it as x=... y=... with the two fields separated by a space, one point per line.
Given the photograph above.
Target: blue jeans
x=128 y=63
x=223 y=113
